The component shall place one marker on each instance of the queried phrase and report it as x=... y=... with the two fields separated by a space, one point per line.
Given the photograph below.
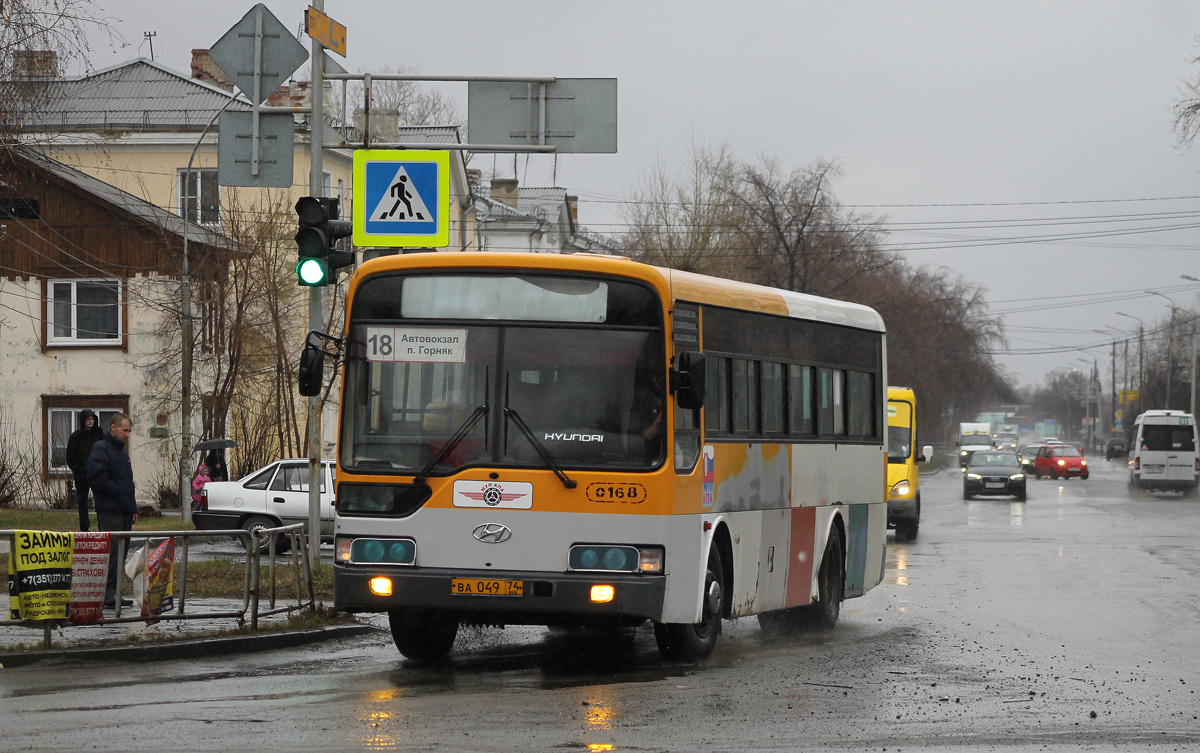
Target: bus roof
x=686 y=286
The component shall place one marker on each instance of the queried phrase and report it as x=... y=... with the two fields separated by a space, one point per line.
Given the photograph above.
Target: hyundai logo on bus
x=492 y=533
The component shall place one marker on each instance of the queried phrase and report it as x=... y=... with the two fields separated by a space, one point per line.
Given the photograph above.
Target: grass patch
x=68 y=520
x=223 y=578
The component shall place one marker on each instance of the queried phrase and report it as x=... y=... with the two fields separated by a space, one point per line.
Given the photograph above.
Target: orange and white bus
x=585 y=440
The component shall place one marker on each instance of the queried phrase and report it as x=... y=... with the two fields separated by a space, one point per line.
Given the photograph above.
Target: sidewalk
x=174 y=639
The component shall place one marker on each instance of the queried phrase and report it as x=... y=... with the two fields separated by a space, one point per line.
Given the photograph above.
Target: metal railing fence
x=252 y=583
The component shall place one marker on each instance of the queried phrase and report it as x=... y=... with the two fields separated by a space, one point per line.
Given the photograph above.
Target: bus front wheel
x=423 y=636
x=684 y=642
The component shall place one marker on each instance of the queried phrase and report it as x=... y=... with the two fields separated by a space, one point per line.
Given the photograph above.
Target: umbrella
x=215 y=444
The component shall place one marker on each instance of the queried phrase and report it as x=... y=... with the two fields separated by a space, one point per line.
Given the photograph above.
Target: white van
x=1163 y=455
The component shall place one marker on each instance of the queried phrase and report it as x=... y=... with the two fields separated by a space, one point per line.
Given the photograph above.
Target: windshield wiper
x=541 y=449
x=458 y=436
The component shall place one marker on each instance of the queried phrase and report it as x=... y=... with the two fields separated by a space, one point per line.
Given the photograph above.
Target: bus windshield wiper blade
x=541 y=449
x=458 y=436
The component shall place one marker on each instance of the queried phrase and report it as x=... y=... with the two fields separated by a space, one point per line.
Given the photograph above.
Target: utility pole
x=316 y=182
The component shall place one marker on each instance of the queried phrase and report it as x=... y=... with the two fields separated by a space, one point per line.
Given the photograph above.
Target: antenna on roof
x=149 y=37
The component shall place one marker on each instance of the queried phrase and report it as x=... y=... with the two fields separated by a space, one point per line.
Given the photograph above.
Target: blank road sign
x=581 y=114
x=276 y=147
x=281 y=53
x=401 y=198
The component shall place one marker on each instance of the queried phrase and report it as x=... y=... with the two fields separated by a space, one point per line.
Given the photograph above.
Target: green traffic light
x=311 y=272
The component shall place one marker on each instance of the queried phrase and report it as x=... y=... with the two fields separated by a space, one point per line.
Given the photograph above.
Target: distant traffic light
x=319 y=229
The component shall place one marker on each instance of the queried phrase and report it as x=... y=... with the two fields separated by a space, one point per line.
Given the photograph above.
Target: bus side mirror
x=311 y=374
x=688 y=379
x=926 y=454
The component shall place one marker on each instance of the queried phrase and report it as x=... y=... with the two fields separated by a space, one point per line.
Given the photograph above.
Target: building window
x=62 y=418
x=200 y=197
x=84 y=311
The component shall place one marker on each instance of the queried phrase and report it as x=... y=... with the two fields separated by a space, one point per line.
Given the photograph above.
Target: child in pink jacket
x=198 y=484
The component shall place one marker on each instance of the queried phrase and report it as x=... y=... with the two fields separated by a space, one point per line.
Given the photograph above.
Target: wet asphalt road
x=1069 y=621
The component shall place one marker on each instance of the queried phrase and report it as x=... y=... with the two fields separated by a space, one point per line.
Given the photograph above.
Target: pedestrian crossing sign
x=401 y=198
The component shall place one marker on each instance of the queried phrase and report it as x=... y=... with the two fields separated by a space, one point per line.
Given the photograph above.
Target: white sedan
x=269 y=497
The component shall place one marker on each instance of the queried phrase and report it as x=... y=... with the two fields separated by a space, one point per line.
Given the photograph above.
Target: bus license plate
x=486 y=587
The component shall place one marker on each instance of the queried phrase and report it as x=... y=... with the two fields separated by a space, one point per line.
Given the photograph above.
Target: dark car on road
x=1025 y=454
x=1116 y=447
x=994 y=473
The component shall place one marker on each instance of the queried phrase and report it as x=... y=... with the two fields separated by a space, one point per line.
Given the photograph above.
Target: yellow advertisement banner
x=39 y=575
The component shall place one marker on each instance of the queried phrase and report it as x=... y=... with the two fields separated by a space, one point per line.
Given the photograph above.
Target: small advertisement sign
x=89 y=572
x=39 y=575
x=416 y=344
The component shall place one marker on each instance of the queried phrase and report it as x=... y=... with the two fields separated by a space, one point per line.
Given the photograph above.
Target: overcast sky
x=1014 y=112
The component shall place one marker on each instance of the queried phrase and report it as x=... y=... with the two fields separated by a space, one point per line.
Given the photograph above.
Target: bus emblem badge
x=516 y=495
x=492 y=533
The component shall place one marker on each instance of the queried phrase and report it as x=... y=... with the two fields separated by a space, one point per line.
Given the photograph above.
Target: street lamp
x=1170 y=349
x=1192 y=359
x=1141 y=361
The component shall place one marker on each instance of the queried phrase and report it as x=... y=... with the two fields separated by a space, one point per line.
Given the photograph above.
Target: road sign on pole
x=574 y=115
x=405 y=198
x=258 y=54
x=276 y=150
x=321 y=28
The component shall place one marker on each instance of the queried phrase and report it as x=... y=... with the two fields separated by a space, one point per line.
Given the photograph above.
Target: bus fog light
x=381 y=586
x=650 y=560
x=601 y=594
x=343 y=550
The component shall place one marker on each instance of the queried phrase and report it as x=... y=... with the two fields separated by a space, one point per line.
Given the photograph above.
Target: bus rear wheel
x=423 y=636
x=685 y=642
x=823 y=613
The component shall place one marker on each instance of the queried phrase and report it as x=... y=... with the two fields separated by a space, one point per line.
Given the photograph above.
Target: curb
x=192 y=648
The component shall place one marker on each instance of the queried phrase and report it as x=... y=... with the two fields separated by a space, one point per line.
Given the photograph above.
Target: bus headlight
x=380 y=586
x=607 y=557
x=602 y=594
x=902 y=489
x=377 y=551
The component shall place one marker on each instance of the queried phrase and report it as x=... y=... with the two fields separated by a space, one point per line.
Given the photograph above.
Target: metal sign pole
x=316 y=434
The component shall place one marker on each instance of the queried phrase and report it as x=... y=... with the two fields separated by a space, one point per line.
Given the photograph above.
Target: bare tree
x=684 y=222
x=1187 y=108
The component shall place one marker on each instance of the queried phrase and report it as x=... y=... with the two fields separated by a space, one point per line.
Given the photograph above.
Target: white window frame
x=73 y=338
x=102 y=422
x=184 y=196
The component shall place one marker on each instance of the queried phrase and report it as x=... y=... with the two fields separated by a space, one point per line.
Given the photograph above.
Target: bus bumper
x=547 y=599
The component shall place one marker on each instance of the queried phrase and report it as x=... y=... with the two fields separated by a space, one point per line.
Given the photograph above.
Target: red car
x=1059 y=461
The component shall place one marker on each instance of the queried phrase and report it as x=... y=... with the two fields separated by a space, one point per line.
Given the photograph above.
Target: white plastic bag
x=135 y=566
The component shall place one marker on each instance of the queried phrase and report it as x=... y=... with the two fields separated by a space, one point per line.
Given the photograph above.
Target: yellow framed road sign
x=401 y=198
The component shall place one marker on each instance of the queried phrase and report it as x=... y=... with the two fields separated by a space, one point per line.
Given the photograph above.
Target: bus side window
x=716 y=397
x=800 y=399
x=772 y=398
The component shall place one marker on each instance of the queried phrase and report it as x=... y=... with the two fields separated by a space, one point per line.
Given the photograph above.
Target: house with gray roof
x=533 y=220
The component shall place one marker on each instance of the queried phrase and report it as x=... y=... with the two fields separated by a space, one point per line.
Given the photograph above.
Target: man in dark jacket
x=79 y=447
x=111 y=476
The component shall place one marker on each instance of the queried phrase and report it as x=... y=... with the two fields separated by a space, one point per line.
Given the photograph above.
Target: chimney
x=504 y=190
x=573 y=208
x=35 y=64
x=385 y=124
x=204 y=69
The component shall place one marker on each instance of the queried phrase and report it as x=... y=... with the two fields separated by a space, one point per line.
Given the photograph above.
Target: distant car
x=1051 y=440
x=1059 y=461
x=1005 y=441
x=994 y=473
x=1116 y=447
x=269 y=497
x=1025 y=454
x=1077 y=445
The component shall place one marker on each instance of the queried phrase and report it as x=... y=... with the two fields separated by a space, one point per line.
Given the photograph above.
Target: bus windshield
x=460 y=391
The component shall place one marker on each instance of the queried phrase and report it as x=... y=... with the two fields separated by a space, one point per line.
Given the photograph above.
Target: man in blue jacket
x=111 y=477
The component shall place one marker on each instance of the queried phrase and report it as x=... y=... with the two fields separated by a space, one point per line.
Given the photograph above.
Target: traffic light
x=319 y=229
